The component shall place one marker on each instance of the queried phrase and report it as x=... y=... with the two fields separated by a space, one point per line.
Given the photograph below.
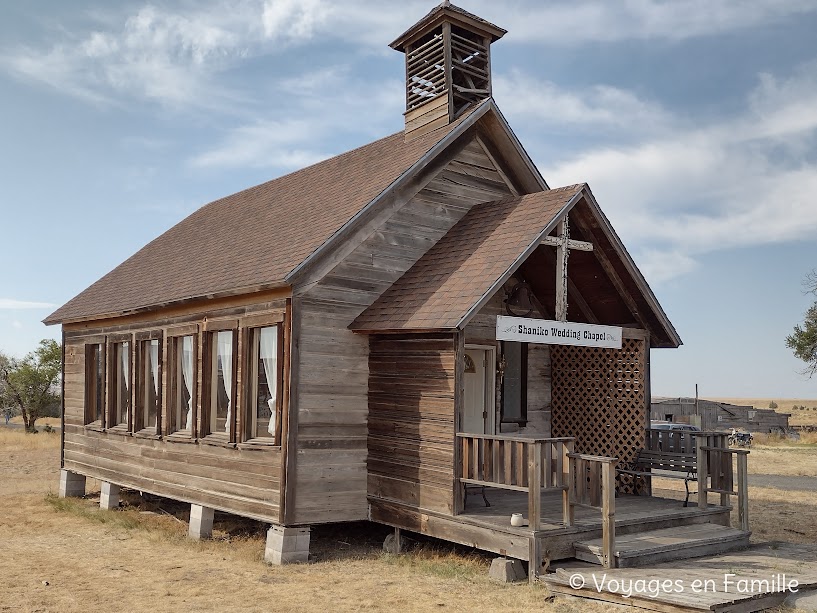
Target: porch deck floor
x=629 y=510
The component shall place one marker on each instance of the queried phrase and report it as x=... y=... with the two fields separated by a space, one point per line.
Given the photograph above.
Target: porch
x=576 y=505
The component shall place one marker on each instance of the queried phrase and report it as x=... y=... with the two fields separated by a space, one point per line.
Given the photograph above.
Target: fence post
x=608 y=514
x=743 y=491
x=703 y=476
x=567 y=481
x=535 y=485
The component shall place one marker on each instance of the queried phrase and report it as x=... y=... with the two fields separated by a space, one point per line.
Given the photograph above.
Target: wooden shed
x=716 y=415
x=431 y=321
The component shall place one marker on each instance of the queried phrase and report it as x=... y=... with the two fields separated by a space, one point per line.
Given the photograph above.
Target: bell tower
x=448 y=66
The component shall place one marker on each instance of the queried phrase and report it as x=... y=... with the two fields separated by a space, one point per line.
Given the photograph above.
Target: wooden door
x=475 y=412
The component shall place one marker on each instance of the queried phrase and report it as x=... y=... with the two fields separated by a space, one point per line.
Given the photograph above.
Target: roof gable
x=458 y=276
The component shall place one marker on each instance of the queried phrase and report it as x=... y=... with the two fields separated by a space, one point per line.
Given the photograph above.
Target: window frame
x=99 y=398
x=252 y=336
x=175 y=339
x=113 y=385
x=141 y=379
x=209 y=379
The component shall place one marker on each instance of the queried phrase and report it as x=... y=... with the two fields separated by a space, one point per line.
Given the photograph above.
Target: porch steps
x=666 y=544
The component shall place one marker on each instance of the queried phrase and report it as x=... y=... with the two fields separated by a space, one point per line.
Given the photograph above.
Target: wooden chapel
x=355 y=370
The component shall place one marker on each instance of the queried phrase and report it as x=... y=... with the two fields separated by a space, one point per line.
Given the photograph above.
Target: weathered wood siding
x=330 y=482
x=238 y=480
x=411 y=422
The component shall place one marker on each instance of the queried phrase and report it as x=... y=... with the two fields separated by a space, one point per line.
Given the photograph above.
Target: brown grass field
x=66 y=555
x=784 y=405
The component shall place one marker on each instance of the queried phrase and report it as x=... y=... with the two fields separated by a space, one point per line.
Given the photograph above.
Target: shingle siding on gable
x=334 y=372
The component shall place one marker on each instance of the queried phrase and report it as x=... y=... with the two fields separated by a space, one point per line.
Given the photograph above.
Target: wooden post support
x=743 y=491
x=703 y=477
x=567 y=481
x=534 y=559
x=535 y=486
x=608 y=514
x=397 y=544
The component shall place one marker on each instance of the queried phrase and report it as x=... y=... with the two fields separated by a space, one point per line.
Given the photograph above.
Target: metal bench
x=684 y=465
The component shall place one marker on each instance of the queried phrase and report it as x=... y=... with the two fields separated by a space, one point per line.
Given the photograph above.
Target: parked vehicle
x=673 y=427
x=740 y=439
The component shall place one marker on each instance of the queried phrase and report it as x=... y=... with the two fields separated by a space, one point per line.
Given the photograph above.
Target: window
x=95 y=384
x=515 y=382
x=221 y=401
x=264 y=377
x=120 y=385
x=149 y=386
x=182 y=379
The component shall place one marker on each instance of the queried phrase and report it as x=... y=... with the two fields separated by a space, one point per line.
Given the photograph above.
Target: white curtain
x=154 y=373
x=225 y=352
x=187 y=374
x=269 y=358
x=124 y=352
x=154 y=365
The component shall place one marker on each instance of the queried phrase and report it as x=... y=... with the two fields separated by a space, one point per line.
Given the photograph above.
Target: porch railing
x=716 y=473
x=516 y=463
x=593 y=485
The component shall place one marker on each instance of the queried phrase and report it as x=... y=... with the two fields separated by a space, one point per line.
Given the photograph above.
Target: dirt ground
x=66 y=555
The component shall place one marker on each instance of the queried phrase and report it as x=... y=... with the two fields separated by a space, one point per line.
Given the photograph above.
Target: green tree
x=803 y=341
x=31 y=385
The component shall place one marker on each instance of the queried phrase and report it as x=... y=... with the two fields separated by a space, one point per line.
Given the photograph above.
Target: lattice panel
x=599 y=397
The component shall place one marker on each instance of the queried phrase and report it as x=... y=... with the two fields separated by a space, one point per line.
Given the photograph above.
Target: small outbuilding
x=714 y=415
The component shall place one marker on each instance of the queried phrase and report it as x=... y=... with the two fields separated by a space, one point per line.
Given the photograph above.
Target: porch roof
x=452 y=278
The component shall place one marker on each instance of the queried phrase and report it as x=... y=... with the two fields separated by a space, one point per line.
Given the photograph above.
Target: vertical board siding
x=242 y=481
x=330 y=472
x=411 y=422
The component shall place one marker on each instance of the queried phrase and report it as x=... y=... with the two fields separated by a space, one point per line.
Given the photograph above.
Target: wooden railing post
x=535 y=486
x=567 y=481
x=743 y=491
x=608 y=514
x=703 y=476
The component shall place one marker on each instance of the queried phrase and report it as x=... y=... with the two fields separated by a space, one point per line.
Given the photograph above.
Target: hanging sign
x=526 y=330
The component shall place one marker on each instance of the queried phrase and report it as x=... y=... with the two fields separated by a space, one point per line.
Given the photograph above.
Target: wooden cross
x=563 y=244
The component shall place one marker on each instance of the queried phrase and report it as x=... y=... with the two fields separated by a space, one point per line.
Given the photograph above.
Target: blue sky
x=694 y=122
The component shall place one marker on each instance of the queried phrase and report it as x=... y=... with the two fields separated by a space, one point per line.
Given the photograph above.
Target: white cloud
x=576 y=22
x=9 y=303
x=309 y=118
x=174 y=56
x=521 y=95
x=679 y=193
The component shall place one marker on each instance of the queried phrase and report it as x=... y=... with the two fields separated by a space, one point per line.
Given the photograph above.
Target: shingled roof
x=253 y=239
x=463 y=267
x=443 y=9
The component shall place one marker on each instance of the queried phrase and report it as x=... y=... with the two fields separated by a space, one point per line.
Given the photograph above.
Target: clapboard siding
x=411 y=422
x=333 y=367
x=242 y=481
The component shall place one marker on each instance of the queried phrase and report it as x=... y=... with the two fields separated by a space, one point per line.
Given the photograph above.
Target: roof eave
x=51 y=320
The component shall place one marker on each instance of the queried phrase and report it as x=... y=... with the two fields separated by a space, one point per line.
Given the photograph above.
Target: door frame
x=490 y=384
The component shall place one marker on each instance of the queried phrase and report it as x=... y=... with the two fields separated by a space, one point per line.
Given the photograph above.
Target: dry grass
x=39 y=424
x=17 y=440
x=139 y=559
x=784 y=405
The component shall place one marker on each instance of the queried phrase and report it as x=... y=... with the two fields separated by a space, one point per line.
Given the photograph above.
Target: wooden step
x=676 y=543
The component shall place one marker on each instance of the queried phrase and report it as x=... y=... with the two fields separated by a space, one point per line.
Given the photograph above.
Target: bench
x=685 y=465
